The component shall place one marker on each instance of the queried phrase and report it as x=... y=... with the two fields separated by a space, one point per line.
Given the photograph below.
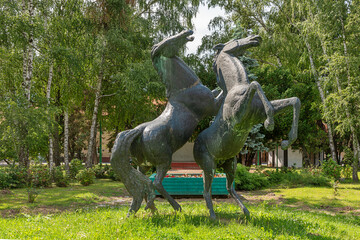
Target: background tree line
x=309 y=50
x=64 y=65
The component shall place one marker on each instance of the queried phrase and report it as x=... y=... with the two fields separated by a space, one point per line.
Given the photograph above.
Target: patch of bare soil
x=5 y=192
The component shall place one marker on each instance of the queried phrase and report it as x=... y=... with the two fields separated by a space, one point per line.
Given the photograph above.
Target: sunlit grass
x=267 y=222
x=76 y=194
x=83 y=213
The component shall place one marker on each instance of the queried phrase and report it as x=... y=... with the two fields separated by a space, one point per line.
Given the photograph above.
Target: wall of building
x=184 y=154
x=295 y=158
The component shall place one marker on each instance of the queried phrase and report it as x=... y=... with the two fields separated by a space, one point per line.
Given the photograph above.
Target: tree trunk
x=28 y=51
x=322 y=96
x=23 y=153
x=249 y=159
x=93 y=129
x=56 y=142
x=48 y=97
x=66 y=141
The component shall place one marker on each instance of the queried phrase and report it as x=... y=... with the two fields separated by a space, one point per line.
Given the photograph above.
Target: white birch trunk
x=322 y=96
x=66 y=141
x=28 y=51
x=48 y=97
x=93 y=129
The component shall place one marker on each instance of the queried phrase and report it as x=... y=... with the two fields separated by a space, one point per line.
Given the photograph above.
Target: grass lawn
x=99 y=212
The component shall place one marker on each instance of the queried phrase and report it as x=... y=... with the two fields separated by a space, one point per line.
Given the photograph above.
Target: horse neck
x=176 y=75
x=231 y=71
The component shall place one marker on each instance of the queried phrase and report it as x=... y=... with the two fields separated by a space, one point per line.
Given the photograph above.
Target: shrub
x=39 y=176
x=346 y=171
x=74 y=167
x=32 y=194
x=244 y=180
x=86 y=176
x=5 y=179
x=331 y=169
x=111 y=174
x=60 y=178
x=101 y=171
x=19 y=176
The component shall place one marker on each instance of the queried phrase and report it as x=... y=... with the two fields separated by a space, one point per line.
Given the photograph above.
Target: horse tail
x=137 y=184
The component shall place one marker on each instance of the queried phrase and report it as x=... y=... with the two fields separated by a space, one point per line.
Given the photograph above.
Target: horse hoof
x=285 y=144
x=177 y=208
x=269 y=125
x=246 y=212
x=212 y=216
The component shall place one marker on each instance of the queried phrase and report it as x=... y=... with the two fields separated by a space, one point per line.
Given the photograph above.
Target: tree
x=254 y=143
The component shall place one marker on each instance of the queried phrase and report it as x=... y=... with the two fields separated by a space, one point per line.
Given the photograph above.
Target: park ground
x=99 y=211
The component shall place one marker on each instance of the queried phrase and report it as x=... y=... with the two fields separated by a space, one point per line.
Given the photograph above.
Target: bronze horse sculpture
x=154 y=142
x=245 y=105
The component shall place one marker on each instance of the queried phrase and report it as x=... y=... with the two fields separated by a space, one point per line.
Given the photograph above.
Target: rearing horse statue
x=155 y=142
x=245 y=105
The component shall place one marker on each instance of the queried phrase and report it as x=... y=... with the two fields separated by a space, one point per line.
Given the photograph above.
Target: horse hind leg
x=229 y=167
x=208 y=165
x=161 y=171
x=135 y=205
x=280 y=106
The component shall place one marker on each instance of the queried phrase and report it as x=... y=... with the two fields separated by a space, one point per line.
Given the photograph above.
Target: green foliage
x=86 y=176
x=32 y=194
x=5 y=179
x=254 y=141
x=74 y=167
x=112 y=175
x=60 y=177
x=39 y=176
x=331 y=169
x=244 y=180
x=13 y=177
x=102 y=171
x=346 y=171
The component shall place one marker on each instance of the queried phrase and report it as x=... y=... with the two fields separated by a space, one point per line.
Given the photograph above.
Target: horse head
x=170 y=47
x=237 y=47
x=227 y=66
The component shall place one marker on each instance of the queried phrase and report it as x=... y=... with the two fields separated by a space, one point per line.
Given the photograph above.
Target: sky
x=201 y=22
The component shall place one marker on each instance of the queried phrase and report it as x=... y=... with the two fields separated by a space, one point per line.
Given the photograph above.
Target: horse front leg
x=269 y=109
x=280 y=106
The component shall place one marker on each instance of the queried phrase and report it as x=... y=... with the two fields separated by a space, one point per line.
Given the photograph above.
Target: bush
x=111 y=174
x=19 y=176
x=331 y=169
x=39 y=176
x=101 y=171
x=244 y=180
x=346 y=172
x=74 y=167
x=60 y=177
x=86 y=176
x=5 y=179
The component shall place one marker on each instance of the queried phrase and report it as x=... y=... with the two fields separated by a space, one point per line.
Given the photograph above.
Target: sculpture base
x=188 y=184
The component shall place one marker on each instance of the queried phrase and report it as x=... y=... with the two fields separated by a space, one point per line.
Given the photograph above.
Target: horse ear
x=219 y=46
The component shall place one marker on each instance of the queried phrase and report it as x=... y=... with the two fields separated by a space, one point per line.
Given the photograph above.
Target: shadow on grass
x=292 y=227
x=276 y=225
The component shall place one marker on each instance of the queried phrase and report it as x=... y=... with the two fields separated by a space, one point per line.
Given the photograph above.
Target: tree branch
x=107 y=95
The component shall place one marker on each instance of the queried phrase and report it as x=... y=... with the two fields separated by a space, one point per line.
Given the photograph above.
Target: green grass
x=267 y=222
x=294 y=213
x=74 y=196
